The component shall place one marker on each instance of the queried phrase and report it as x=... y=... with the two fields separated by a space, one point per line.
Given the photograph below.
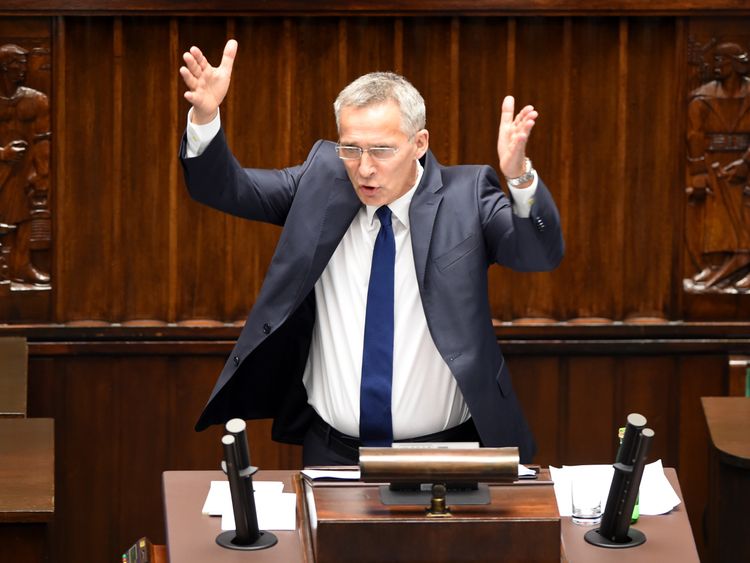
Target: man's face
x=379 y=182
x=722 y=66
x=15 y=67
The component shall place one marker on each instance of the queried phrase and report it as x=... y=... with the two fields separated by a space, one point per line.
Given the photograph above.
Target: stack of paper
x=276 y=509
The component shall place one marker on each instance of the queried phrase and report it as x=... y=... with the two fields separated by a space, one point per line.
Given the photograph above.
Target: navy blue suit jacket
x=461 y=223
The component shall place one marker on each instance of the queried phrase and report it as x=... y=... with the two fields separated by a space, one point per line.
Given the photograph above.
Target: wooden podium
x=191 y=535
x=349 y=523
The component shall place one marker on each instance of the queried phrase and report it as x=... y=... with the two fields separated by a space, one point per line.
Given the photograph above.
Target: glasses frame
x=391 y=152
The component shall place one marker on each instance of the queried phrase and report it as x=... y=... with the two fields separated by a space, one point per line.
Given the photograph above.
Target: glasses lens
x=348 y=153
x=382 y=153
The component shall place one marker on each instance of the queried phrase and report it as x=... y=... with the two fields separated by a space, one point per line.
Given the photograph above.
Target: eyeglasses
x=348 y=152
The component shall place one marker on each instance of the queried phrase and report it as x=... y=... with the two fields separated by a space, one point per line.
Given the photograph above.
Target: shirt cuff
x=200 y=136
x=523 y=198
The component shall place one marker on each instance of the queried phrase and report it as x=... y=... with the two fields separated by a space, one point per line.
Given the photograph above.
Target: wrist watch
x=528 y=174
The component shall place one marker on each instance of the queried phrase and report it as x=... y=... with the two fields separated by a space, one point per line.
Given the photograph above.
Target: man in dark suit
x=373 y=322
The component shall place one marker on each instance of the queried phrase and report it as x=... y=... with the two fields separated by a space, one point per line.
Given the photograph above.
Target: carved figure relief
x=24 y=174
x=718 y=190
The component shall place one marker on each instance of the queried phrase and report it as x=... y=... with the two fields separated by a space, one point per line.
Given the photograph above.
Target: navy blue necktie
x=375 y=424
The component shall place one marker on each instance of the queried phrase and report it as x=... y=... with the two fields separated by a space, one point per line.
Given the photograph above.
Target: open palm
x=207 y=85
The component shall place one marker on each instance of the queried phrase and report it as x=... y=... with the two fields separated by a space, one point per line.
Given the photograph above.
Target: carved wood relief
x=25 y=215
x=718 y=156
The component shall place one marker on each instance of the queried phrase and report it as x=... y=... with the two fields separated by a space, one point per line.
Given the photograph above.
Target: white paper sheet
x=656 y=495
x=275 y=512
x=275 y=509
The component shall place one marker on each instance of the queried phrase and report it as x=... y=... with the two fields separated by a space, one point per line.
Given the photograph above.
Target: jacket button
x=236 y=361
x=266 y=328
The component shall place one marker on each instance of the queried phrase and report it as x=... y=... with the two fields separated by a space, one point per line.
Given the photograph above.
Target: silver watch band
x=527 y=175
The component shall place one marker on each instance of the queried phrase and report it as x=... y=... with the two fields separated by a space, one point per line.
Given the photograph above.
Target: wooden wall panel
x=87 y=461
x=201 y=232
x=589 y=386
x=146 y=160
x=133 y=426
x=316 y=80
x=539 y=385
x=596 y=206
x=86 y=244
x=428 y=65
x=260 y=135
x=653 y=226
x=368 y=45
x=482 y=81
x=139 y=250
x=646 y=385
x=537 y=63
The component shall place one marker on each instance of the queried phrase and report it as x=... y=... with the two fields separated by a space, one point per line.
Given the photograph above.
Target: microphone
x=236 y=464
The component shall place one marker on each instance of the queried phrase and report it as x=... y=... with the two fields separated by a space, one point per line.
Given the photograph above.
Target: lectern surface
x=191 y=536
x=668 y=538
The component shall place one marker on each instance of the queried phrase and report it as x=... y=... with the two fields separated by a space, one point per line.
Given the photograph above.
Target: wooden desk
x=668 y=538
x=191 y=536
x=27 y=488
x=728 y=420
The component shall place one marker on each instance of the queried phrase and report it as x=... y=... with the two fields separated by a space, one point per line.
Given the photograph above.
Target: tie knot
x=384 y=214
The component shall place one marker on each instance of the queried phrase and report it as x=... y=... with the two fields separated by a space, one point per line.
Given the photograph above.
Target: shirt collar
x=399 y=207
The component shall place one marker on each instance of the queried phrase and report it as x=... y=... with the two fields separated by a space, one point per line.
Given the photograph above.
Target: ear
x=422 y=142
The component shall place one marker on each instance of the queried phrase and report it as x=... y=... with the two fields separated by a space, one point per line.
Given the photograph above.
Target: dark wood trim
x=727 y=332
x=379 y=7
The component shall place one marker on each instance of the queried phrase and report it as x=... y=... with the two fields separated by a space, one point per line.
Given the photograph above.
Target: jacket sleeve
x=216 y=179
x=530 y=244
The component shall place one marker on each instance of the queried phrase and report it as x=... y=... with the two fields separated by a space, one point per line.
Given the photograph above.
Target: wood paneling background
x=148 y=287
x=610 y=143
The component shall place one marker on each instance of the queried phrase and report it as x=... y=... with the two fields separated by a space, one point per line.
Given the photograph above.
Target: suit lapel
x=422 y=214
x=340 y=209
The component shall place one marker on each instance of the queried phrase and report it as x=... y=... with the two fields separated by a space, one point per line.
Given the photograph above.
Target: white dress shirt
x=425 y=395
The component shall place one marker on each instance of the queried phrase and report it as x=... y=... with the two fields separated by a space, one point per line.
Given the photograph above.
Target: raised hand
x=512 y=137
x=207 y=85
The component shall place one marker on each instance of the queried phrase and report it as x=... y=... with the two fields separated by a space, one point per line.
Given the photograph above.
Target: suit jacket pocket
x=449 y=258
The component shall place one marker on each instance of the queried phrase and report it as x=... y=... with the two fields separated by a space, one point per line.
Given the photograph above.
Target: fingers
x=190 y=80
x=522 y=123
x=200 y=59
x=513 y=135
x=191 y=62
x=230 y=51
x=506 y=113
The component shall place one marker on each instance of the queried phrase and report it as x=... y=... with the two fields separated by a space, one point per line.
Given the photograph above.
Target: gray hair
x=381 y=87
